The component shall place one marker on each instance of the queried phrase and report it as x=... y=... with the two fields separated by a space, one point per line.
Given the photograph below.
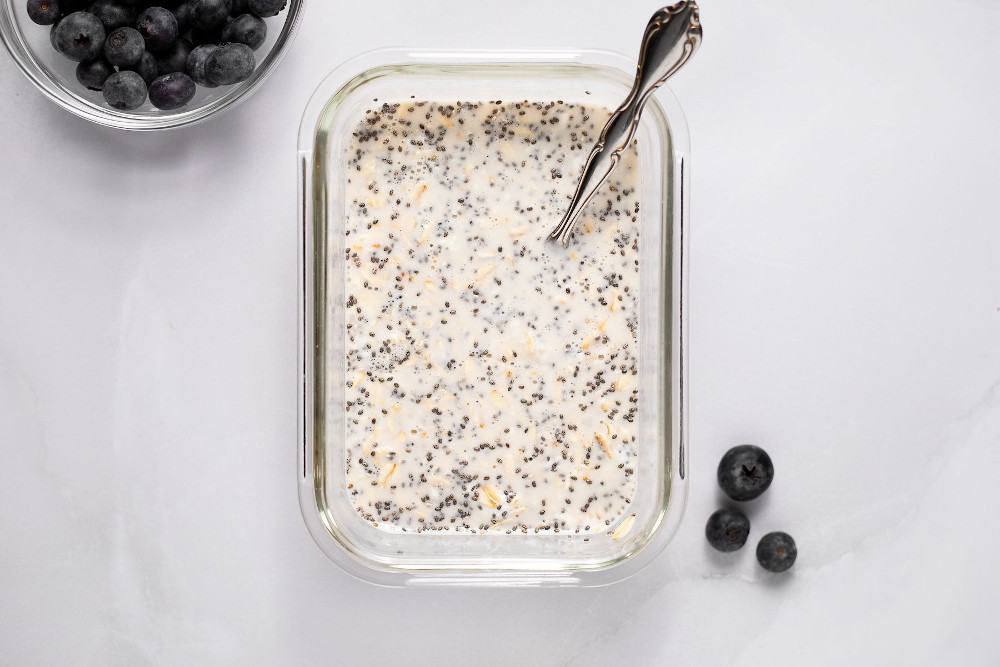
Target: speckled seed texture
x=491 y=373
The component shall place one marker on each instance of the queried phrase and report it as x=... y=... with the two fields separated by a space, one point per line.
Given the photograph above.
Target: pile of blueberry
x=745 y=472
x=160 y=49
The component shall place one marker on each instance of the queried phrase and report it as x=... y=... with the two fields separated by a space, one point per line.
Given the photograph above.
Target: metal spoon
x=672 y=36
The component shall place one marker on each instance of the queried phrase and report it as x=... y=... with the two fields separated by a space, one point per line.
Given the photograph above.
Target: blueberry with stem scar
x=43 y=12
x=124 y=47
x=776 y=552
x=80 y=36
x=745 y=472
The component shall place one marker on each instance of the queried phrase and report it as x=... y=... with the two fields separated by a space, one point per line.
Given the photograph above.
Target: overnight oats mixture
x=492 y=375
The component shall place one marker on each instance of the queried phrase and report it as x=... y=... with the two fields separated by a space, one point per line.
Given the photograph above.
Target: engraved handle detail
x=671 y=37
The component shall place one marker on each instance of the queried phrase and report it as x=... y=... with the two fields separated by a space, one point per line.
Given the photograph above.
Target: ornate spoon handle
x=672 y=36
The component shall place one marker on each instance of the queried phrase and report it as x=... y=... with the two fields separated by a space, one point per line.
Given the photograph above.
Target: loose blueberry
x=230 y=63
x=246 y=29
x=146 y=67
x=265 y=8
x=196 y=64
x=776 y=552
x=208 y=14
x=745 y=472
x=113 y=14
x=93 y=73
x=158 y=27
x=172 y=91
x=80 y=36
x=125 y=90
x=124 y=47
x=175 y=58
x=43 y=12
x=727 y=529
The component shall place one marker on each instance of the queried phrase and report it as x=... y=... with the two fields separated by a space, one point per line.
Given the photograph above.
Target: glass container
x=449 y=558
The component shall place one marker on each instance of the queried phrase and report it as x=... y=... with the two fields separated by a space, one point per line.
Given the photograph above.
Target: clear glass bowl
x=445 y=558
x=55 y=75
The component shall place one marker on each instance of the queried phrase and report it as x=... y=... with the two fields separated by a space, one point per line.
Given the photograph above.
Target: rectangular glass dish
x=501 y=558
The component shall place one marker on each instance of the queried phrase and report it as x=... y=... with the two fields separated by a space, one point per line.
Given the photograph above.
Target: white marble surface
x=846 y=303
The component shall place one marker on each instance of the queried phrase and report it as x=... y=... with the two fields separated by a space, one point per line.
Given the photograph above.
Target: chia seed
x=453 y=344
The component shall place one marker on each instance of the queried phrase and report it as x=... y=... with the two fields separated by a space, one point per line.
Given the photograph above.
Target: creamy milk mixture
x=491 y=373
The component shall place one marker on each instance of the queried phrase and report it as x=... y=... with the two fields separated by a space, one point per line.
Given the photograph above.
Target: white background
x=846 y=316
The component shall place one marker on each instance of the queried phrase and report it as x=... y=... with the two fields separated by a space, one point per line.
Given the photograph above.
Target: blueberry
x=182 y=13
x=265 y=8
x=208 y=14
x=113 y=14
x=124 y=47
x=727 y=529
x=172 y=91
x=745 y=472
x=196 y=64
x=125 y=90
x=175 y=58
x=245 y=29
x=146 y=67
x=776 y=552
x=158 y=27
x=93 y=73
x=80 y=36
x=230 y=63
x=43 y=12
